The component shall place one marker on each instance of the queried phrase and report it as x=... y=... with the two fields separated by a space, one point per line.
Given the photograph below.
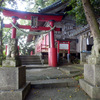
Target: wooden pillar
x=58 y=43
x=52 y=51
x=13 y=35
x=68 y=55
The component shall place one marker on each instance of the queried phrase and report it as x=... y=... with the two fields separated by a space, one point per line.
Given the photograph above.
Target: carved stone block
x=93 y=60
x=10 y=63
x=12 y=78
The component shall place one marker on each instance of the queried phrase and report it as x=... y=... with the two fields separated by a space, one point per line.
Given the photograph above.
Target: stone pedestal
x=13 y=85
x=94 y=60
x=10 y=63
x=83 y=56
x=91 y=82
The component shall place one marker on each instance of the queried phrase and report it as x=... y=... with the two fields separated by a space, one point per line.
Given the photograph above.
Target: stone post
x=91 y=82
x=13 y=85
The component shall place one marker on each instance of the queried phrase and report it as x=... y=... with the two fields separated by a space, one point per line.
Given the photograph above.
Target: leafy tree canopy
x=24 y=5
x=34 y=5
x=78 y=11
x=29 y=5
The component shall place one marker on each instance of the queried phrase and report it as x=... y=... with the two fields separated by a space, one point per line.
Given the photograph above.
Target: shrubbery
x=2 y=57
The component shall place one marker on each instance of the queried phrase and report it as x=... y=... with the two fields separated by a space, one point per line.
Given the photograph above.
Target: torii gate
x=51 y=18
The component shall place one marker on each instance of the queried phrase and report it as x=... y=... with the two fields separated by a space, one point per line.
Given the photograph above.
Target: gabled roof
x=57 y=7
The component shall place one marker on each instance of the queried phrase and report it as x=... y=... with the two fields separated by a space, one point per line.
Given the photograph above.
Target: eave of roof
x=57 y=5
x=23 y=12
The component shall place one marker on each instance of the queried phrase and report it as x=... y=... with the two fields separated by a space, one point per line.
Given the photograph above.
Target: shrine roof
x=57 y=14
x=57 y=7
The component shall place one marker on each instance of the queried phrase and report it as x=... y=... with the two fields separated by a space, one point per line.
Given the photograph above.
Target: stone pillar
x=81 y=45
x=12 y=54
x=91 y=82
x=13 y=85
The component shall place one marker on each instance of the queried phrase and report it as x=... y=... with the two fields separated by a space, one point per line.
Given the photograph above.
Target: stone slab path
x=66 y=93
x=55 y=83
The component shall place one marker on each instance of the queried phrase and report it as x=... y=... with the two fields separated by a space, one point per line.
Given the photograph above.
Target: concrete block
x=92 y=74
x=83 y=56
x=19 y=94
x=92 y=91
x=93 y=60
x=9 y=63
x=12 y=78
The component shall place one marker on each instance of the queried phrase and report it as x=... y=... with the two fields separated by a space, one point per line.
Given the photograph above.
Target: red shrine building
x=55 y=34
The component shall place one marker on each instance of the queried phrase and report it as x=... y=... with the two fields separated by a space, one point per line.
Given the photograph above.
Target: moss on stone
x=9 y=66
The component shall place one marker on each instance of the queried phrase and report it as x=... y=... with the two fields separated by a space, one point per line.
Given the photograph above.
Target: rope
x=8 y=32
x=34 y=33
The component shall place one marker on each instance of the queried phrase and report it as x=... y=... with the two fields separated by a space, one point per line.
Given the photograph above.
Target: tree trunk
x=91 y=19
x=94 y=27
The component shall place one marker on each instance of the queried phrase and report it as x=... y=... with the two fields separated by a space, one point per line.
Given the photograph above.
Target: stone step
x=69 y=70
x=30 y=60
x=36 y=66
x=29 y=57
x=54 y=83
x=31 y=63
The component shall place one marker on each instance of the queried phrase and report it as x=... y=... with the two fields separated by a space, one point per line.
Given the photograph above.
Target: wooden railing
x=42 y=48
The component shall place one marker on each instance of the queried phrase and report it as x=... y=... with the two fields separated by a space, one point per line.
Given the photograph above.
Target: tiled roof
x=51 y=6
x=55 y=7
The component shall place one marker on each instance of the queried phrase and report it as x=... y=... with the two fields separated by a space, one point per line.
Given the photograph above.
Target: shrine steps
x=30 y=60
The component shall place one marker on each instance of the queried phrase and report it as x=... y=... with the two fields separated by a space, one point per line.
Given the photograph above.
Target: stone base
x=92 y=91
x=83 y=57
x=92 y=74
x=10 y=63
x=19 y=94
x=93 y=60
x=12 y=78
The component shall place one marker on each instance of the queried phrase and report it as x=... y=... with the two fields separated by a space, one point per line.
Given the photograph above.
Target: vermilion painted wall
x=44 y=41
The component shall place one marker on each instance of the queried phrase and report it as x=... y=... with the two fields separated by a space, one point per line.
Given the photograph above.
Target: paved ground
x=55 y=76
x=41 y=74
x=52 y=72
x=72 y=93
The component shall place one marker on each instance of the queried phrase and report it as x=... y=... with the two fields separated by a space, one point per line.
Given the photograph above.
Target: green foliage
x=96 y=7
x=2 y=57
x=39 y=4
x=78 y=12
x=79 y=77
